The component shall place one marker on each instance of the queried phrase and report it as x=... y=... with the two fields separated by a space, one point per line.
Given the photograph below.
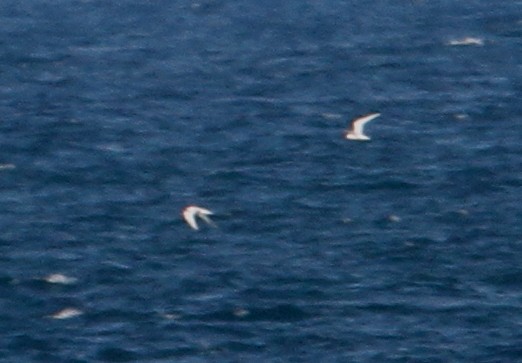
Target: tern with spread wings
x=191 y=212
x=356 y=131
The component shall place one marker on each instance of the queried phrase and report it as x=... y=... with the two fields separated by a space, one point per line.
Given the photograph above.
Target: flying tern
x=356 y=131
x=191 y=212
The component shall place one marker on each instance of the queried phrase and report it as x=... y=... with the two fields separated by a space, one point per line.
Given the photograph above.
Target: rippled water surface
x=116 y=115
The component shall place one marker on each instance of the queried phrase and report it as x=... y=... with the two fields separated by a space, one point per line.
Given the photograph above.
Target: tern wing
x=190 y=218
x=207 y=219
x=203 y=211
x=359 y=122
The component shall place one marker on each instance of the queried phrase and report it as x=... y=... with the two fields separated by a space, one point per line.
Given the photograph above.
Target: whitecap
x=7 y=166
x=59 y=279
x=467 y=41
x=66 y=313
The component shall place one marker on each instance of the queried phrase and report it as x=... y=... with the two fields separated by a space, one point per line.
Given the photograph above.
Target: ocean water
x=115 y=115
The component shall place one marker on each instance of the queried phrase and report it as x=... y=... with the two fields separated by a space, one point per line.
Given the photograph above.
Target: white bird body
x=356 y=131
x=191 y=212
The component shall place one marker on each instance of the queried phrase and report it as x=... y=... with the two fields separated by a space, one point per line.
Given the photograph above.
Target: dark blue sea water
x=115 y=115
